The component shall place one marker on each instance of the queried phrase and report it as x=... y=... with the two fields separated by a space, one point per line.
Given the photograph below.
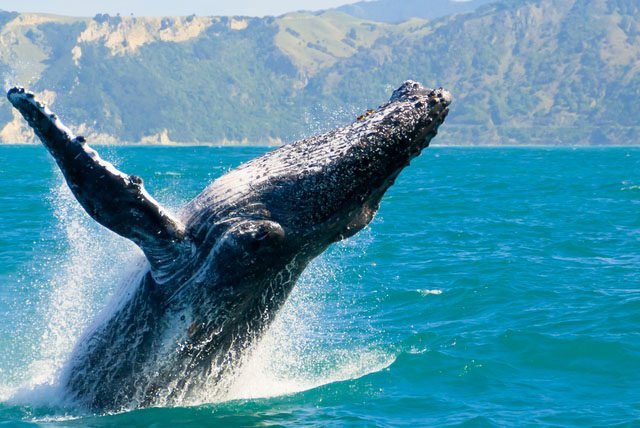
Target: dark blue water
x=495 y=287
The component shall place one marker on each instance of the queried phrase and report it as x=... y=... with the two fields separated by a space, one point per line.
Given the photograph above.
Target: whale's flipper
x=115 y=200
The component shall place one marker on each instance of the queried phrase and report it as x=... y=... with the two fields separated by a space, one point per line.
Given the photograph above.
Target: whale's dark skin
x=219 y=271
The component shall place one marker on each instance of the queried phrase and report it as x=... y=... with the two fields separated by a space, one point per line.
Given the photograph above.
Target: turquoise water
x=495 y=287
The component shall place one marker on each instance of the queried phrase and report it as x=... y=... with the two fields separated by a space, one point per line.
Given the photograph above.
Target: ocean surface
x=496 y=286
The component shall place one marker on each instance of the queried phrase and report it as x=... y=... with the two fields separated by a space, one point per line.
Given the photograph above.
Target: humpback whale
x=219 y=271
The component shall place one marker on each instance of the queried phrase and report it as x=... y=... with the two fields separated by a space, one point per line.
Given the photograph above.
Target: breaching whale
x=219 y=271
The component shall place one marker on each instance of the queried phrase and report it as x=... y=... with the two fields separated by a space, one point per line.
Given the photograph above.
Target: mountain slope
x=187 y=79
x=198 y=90
x=539 y=71
x=522 y=72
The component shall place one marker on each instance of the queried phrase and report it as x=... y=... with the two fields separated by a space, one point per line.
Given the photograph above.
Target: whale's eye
x=252 y=236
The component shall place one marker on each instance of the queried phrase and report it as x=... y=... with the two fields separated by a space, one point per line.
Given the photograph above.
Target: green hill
x=522 y=72
x=536 y=71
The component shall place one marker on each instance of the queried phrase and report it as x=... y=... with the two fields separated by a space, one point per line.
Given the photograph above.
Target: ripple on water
x=496 y=287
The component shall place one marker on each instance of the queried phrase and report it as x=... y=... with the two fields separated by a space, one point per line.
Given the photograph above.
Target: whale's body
x=217 y=275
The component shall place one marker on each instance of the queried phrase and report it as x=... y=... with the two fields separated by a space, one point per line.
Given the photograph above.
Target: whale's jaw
x=220 y=272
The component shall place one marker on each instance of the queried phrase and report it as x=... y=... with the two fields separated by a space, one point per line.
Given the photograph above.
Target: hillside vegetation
x=536 y=71
x=522 y=72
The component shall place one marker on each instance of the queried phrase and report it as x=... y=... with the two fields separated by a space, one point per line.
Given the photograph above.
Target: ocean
x=496 y=286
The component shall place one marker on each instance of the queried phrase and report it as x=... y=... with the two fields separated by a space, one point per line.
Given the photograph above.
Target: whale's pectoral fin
x=116 y=200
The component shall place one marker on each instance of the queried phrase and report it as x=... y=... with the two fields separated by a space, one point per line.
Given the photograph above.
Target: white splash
x=296 y=354
x=300 y=351
x=9 y=78
x=427 y=292
x=79 y=279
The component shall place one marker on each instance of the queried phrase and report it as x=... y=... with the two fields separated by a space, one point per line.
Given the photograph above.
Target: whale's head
x=293 y=202
x=329 y=187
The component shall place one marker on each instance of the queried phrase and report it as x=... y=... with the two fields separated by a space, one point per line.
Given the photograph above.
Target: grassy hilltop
x=522 y=72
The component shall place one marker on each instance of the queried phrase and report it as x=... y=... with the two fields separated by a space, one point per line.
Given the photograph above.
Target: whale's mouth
x=434 y=107
x=441 y=100
x=438 y=101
